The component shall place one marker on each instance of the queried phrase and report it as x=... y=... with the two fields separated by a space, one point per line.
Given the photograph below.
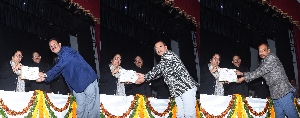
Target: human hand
x=140 y=79
x=114 y=71
x=239 y=72
x=42 y=77
x=214 y=69
x=240 y=80
x=227 y=82
x=18 y=66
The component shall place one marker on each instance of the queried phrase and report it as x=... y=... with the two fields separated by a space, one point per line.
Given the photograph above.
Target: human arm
x=270 y=62
x=155 y=73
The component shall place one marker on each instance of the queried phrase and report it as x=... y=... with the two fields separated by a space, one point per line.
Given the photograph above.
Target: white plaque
x=128 y=76
x=227 y=74
x=30 y=73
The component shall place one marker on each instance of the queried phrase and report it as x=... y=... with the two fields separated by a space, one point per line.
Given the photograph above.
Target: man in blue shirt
x=80 y=78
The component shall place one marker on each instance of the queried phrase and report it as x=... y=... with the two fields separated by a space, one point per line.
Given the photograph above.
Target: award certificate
x=30 y=73
x=227 y=74
x=128 y=76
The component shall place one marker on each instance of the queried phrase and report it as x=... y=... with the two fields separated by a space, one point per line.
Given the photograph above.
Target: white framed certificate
x=128 y=76
x=226 y=74
x=30 y=73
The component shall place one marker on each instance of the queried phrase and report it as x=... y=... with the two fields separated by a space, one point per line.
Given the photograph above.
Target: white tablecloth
x=117 y=105
x=17 y=101
x=217 y=104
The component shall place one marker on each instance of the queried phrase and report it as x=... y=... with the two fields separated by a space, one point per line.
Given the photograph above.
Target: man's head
x=236 y=60
x=263 y=50
x=293 y=82
x=54 y=45
x=36 y=57
x=138 y=61
x=160 y=48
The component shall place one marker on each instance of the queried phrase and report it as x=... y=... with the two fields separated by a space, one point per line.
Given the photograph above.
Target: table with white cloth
x=117 y=105
x=17 y=101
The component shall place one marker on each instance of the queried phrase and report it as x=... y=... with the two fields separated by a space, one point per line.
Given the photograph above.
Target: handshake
x=42 y=77
x=239 y=80
x=141 y=78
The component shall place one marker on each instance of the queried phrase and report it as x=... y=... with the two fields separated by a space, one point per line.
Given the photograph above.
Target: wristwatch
x=45 y=75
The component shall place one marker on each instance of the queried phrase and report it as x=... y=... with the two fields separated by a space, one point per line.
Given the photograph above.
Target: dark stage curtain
x=283 y=51
x=212 y=43
x=14 y=39
x=131 y=27
x=241 y=25
x=113 y=42
x=191 y=7
x=45 y=20
x=297 y=48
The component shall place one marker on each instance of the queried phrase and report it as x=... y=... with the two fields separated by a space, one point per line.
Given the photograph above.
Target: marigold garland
x=155 y=112
x=257 y=113
x=109 y=115
x=140 y=107
x=13 y=112
x=206 y=114
x=58 y=109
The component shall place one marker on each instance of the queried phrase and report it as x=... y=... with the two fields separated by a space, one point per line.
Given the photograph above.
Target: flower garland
x=257 y=113
x=132 y=107
x=15 y=113
x=297 y=106
x=140 y=107
x=155 y=112
x=206 y=114
x=72 y=108
x=58 y=109
x=246 y=109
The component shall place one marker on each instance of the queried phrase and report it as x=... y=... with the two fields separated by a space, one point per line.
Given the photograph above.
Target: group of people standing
x=270 y=69
x=11 y=71
x=82 y=81
x=181 y=85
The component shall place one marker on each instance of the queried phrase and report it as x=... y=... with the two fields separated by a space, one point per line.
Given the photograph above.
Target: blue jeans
x=88 y=102
x=285 y=106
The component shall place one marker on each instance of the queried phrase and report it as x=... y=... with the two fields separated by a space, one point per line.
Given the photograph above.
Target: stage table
x=117 y=105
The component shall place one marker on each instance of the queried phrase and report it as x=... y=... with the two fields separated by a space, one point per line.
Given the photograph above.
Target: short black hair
x=56 y=39
x=236 y=55
x=162 y=42
x=264 y=44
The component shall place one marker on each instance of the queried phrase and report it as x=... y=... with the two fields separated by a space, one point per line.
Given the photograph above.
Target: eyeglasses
x=19 y=56
x=119 y=59
x=216 y=59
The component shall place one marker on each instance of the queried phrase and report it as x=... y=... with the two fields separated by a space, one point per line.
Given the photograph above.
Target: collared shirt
x=273 y=72
x=76 y=71
x=174 y=72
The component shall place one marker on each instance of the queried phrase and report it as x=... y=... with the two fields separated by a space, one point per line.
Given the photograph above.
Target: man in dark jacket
x=43 y=67
x=80 y=78
x=280 y=88
x=144 y=88
x=237 y=88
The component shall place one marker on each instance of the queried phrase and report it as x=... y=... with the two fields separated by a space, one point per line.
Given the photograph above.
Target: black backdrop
x=131 y=27
x=28 y=25
x=14 y=39
x=212 y=43
x=233 y=26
